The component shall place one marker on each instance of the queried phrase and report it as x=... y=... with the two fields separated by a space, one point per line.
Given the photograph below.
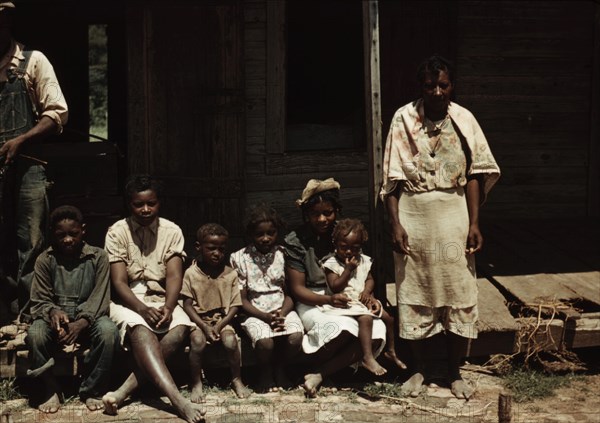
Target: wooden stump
x=504 y=408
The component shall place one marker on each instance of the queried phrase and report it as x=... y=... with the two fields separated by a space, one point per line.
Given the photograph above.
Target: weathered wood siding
x=186 y=115
x=272 y=175
x=525 y=70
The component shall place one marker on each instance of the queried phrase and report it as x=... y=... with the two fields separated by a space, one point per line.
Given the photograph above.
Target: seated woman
x=146 y=256
x=331 y=341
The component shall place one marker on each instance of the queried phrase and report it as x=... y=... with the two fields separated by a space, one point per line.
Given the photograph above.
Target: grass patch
x=8 y=390
x=528 y=385
x=385 y=389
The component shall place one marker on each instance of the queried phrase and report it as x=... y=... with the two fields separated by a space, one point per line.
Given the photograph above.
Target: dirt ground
x=580 y=402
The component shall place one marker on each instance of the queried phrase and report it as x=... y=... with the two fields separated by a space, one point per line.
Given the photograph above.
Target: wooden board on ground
x=494 y=315
x=532 y=269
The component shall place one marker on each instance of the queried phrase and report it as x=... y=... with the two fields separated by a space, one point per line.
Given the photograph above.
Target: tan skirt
x=437 y=272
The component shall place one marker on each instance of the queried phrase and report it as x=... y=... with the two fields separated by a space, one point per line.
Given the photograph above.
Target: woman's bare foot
x=312 y=381
x=112 y=402
x=191 y=413
x=373 y=366
x=391 y=356
x=197 y=395
x=461 y=389
x=240 y=389
x=51 y=405
x=94 y=404
x=412 y=387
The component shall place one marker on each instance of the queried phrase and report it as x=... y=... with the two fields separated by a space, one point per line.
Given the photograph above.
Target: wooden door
x=187 y=108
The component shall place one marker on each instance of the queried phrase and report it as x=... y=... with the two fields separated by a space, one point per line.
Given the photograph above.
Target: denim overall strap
x=74 y=281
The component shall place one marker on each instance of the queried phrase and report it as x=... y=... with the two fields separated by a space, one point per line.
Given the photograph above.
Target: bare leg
x=230 y=343
x=148 y=355
x=338 y=353
x=414 y=384
x=365 y=331
x=169 y=343
x=390 y=353
x=292 y=345
x=457 y=347
x=264 y=354
x=197 y=346
x=53 y=393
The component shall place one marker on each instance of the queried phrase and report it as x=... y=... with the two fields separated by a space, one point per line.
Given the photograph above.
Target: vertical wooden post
x=593 y=193
x=276 y=101
x=374 y=138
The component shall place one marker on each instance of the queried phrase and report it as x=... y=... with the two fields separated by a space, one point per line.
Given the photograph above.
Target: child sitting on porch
x=70 y=298
x=211 y=300
x=272 y=322
x=349 y=271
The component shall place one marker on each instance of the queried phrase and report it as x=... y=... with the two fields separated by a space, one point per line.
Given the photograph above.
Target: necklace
x=434 y=130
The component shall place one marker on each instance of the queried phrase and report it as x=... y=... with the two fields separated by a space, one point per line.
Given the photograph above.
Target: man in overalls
x=32 y=107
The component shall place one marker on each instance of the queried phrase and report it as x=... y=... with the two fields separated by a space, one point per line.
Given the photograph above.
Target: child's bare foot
x=240 y=389
x=281 y=378
x=373 y=366
x=461 y=389
x=112 y=402
x=94 y=404
x=191 y=413
x=52 y=405
x=312 y=381
x=391 y=356
x=412 y=387
x=197 y=395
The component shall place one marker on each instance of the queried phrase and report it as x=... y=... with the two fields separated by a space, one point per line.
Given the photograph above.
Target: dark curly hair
x=262 y=212
x=434 y=65
x=143 y=182
x=210 y=229
x=345 y=226
x=331 y=196
x=63 y=213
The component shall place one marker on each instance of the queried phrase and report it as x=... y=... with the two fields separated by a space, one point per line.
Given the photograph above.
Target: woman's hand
x=167 y=316
x=474 y=240
x=151 y=315
x=400 y=239
x=339 y=300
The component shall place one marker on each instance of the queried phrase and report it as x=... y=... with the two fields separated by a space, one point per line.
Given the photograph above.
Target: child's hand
x=374 y=306
x=351 y=263
x=211 y=332
x=58 y=318
x=364 y=297
x=277 y=322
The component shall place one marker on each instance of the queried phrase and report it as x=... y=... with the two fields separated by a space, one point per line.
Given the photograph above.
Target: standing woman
x=331 y=341
x=438 y=169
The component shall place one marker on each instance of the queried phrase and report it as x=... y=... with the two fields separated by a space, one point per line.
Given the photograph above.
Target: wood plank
x=531 y=85
x=497 y=45
x=545 y=334
x=512 y=104
x=276 y=77
x=522 y=66
x=544 y=209
x=559 y=193
x=355 y=179
x=558 y=140
x=526 y=27
x=546 y=175
x=494 y=315
x=594 y=169
x=587 y=331
x=520 y=8
x=555 y=158
x=313 y=162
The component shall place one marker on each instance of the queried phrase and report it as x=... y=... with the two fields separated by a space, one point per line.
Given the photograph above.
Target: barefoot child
x=349 y=271
x=70 y=296
x=272 y=321
x=211 y=300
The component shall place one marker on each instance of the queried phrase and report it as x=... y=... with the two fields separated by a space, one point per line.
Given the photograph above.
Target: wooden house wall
x=279 y=177
x=525 y=70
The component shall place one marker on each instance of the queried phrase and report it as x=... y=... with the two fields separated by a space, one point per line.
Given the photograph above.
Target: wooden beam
x=374 y=138
x=594 y=162
x=276 y=101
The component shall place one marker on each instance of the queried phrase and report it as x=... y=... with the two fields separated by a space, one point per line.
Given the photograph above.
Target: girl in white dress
x=348 y=271
x=272 y=323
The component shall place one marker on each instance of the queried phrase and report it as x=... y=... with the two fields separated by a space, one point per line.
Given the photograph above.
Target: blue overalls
x=23 y=198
